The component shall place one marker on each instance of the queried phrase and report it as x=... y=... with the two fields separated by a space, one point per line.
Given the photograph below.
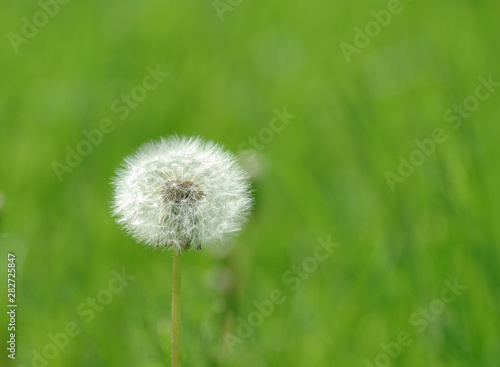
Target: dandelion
x=180 y=193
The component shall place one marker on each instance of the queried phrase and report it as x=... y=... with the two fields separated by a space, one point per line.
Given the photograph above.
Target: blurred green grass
x=324 y=177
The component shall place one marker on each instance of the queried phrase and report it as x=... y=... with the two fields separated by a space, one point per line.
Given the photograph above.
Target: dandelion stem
x=176 y=309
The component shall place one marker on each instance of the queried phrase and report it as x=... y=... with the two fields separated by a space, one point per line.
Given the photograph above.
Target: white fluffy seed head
x=181 y=192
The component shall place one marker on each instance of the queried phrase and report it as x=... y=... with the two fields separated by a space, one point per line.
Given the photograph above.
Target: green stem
x=176 y=309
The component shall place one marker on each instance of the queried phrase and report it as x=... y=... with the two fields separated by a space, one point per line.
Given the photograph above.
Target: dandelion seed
x=181 y=192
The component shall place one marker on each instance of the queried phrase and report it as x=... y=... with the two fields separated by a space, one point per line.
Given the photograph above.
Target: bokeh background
x=322 y=175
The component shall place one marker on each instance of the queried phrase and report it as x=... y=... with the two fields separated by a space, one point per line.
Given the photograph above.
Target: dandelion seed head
x=181 y=192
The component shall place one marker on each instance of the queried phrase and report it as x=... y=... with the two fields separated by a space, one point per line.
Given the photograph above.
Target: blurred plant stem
x=176 y=309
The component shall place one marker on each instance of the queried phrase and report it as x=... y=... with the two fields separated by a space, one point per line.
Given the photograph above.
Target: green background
x=323 y=175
